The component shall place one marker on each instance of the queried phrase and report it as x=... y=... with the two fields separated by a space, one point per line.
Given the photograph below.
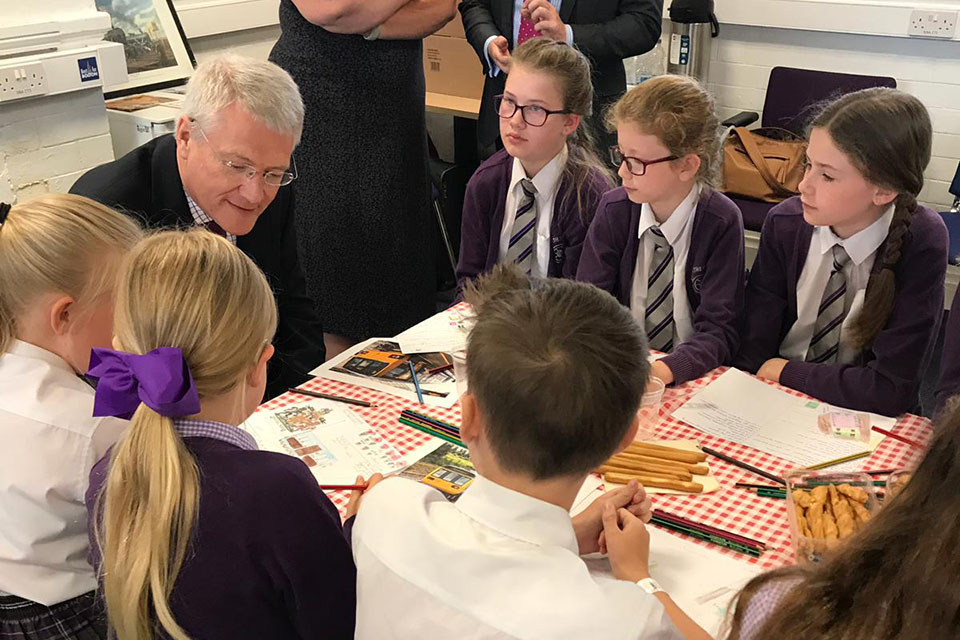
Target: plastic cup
x=649 y=413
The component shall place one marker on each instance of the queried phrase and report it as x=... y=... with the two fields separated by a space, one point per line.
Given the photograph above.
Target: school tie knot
x=840 y=257
x=528 y=188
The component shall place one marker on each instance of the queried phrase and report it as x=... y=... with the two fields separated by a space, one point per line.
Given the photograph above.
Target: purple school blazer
x=714 y=273
x=949 y=384
x=483 y=211
x=885 y=378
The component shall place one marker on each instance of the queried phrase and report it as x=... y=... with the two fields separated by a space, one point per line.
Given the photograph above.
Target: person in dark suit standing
x=228 y=167
x=606 y=31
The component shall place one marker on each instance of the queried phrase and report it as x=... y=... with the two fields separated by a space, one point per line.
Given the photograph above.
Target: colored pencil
x=428 y=431
x=327 y=396
x=437 y=421
x=891 y=434
x=440 y=369
x=708 y=529
x=830 y=463
x=343 y=487
x=706 y=537
x=689 y=529
x=743 y=465
x=453 y=433
x=416 y=381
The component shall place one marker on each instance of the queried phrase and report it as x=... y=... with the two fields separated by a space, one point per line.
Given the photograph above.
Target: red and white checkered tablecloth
x=729 y=508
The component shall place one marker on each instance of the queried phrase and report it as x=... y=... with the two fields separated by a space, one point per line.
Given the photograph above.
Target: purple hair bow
x=159 y=379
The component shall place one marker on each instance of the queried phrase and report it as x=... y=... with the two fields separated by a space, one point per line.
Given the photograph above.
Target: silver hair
x=263 y=89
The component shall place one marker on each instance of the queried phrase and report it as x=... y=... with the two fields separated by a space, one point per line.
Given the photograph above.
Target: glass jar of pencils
x=825 y=508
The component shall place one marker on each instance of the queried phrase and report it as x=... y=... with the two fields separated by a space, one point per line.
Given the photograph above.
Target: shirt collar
x=33 y=352
x=674 y=225
x=216 y=431
x=862 y=244
x=517 y=515
x=200 y=217
x=547 y=178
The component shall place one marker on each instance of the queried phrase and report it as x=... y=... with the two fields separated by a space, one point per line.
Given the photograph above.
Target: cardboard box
x=453 y=29
x=451 y=67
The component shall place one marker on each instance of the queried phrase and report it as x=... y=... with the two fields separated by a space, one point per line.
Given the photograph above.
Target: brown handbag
x=764 y=164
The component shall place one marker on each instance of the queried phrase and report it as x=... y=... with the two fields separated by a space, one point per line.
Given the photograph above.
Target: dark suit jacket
x=146 y=184
x=606 y=31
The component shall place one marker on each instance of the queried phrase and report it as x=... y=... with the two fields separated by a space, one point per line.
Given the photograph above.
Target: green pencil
x=422 y=428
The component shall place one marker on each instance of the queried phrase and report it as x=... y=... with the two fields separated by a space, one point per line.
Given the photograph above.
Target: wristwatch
x=649 y=585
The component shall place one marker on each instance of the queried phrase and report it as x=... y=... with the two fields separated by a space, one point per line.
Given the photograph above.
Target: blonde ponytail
x=149 y=507
x=198 y=293
x=58 y=243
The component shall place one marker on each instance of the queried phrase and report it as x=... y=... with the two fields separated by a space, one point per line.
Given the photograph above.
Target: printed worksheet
x=333 y=441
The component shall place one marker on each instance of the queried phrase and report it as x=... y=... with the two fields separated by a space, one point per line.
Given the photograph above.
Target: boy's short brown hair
x=558 y=369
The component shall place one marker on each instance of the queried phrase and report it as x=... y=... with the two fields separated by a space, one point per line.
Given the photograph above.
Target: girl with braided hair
x=846 y=293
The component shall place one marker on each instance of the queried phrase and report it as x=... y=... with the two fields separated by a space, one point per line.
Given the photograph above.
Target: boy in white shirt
x=556 y=372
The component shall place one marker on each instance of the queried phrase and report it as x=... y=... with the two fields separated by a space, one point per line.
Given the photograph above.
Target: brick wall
x=46 y=143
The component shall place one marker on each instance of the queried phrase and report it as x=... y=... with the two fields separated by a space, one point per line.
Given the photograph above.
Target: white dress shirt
x=547 y=183
x=676 y=229
x=201 y=219
x=495 y=565
x=862 y=249
x=48 y=444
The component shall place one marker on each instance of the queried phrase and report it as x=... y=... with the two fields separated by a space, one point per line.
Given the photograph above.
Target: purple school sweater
x=714 y=273
x=268 y=558
x=885 y=378
x=949 y=384
x=483 y=211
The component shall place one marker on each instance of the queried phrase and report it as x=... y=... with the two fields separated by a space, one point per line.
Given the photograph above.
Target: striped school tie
x=520 y=249
x=658 y=320
x=825 y=344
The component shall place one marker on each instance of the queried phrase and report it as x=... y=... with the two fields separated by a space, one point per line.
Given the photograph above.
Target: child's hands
x=627 y=542
x=357 y=494
x=500 y=53
x=588 y=524
x=772 y=369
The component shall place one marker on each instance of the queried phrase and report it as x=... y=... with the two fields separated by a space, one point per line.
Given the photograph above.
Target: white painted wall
x=742 y=57
x=47 y=142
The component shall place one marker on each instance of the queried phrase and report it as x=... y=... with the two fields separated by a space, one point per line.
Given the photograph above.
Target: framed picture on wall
x=158 y=55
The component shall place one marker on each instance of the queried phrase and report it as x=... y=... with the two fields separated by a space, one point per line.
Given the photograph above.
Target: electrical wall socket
x=22 y=81
x=932 y=24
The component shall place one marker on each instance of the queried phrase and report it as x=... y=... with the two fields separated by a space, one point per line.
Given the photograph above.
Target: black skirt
x=364 y=226
x=81 y=618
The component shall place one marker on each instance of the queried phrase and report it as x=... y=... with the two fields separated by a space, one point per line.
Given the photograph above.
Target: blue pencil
x=416 y=381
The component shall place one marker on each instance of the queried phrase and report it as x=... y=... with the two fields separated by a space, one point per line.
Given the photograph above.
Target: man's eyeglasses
x=534 y=115
x=249 y=172
x=636 y=166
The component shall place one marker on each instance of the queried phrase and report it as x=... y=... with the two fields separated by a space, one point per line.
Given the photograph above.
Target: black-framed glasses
x=533 y=114
x=249 y=172
x=636 y=166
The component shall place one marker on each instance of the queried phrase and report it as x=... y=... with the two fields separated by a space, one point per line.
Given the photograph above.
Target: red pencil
x=890 y=434
x=441 y=368
x=343 y=487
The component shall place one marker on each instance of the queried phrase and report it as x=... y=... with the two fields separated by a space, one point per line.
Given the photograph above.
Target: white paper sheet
x=700 y=580
x=439 y=390
x=335 y=443
x=741 y=408
x=446 y=331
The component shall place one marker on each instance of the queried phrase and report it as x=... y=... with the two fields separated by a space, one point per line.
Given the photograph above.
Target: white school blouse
x=677 y=229
x=495 y=565
x=547 y=182
x=862 y=249
x=48 y=444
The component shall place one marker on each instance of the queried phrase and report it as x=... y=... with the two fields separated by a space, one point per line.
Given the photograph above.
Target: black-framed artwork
x=157 y=52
